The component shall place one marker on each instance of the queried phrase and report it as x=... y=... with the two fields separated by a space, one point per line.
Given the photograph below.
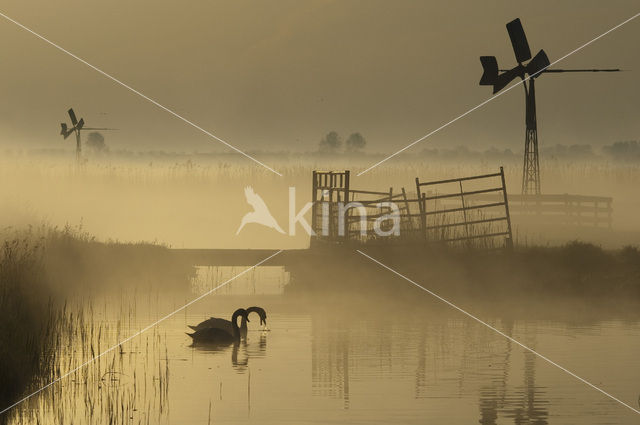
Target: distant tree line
x=623 y=151
x=332 y=143
x=628 y=151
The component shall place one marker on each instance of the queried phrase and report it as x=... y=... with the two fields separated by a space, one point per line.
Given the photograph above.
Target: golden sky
x=280 y=74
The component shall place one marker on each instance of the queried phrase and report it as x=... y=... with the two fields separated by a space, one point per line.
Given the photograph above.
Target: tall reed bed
x=26 y=314
x=50 y=324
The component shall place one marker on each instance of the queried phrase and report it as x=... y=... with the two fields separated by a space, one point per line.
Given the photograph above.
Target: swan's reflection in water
x=255 y=346
x=353 y=366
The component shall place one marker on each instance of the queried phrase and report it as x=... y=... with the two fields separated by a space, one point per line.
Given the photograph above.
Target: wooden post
x=423 y=201
x=464 y=212
x=506 y=209
x=389 y=210
x=347 y=177
x=78 y=147
x=332 y=210
x=408 y=211
x=314 y=200
x=422 y=205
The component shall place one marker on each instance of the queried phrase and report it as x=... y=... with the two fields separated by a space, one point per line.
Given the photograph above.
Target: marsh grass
x=575 y=271
x=51 y=323
x=27 y=315
x=198 y=202
x=129 y=384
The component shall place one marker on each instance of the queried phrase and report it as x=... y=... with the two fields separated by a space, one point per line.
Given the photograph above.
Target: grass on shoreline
x=40 y=270
x=576 y=270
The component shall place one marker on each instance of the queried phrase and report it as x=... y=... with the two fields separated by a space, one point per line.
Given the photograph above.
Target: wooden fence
x=333 y=196
x=330 y=188
x=572 y=210
x=450 y=212
x=341 y=213
x=560 y=209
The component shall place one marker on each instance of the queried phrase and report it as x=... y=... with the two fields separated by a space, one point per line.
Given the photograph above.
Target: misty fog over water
x=174 y=243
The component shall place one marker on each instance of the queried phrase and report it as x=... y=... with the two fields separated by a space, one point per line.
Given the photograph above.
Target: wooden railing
x=565 y=209
x=431 y=214
x=329 y=189
x=457 y=216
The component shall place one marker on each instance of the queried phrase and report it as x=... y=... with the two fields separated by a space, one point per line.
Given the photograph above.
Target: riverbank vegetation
x=40 y=269
x=576 y=271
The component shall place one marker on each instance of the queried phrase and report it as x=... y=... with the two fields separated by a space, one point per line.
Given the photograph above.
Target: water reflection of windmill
x=76 y=126
x=536 y=66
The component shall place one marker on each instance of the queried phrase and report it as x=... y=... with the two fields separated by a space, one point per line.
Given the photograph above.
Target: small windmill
x=500 y=78
x=76 y=126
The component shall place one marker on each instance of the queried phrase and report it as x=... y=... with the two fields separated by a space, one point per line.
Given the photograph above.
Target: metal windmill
x=76 y=126
x=500 y=78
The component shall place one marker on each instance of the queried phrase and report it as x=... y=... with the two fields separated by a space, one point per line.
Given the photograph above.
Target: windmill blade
x=64 y=131
x=490 y=68
x=584 y=70
x=80 y=124
x=519 y=40
x=537 y=64
x=72 y=115
x=506 y=77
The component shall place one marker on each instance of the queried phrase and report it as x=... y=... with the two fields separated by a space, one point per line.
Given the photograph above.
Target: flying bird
x=260 y=213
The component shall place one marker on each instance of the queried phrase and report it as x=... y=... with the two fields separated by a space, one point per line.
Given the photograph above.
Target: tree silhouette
x=95 y=142
x=623 y=151
x=356 y=142
x=331 y=142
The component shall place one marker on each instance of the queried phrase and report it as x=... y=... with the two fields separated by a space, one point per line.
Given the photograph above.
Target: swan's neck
x=243 y=323
x=234 y=325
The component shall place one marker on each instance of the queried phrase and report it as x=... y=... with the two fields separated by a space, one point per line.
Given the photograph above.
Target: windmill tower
x=500 y=78
x=76 y=126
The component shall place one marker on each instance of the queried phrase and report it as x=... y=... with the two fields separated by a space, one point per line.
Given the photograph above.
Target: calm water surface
x=326 y=365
